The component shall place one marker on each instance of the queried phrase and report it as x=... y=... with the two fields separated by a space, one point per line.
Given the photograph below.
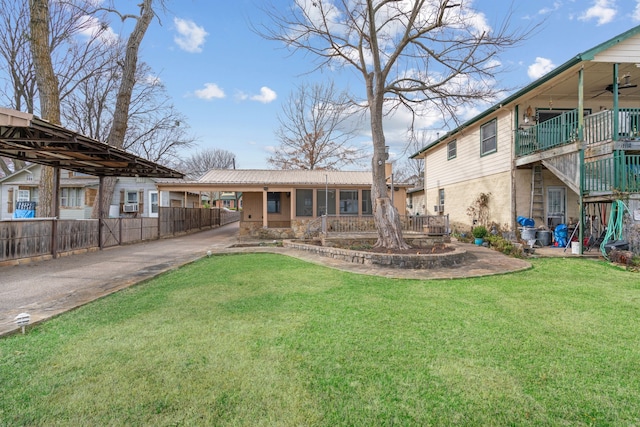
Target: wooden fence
x=29 y=238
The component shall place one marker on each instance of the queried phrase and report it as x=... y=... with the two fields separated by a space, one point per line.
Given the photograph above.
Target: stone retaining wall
x=422 y=261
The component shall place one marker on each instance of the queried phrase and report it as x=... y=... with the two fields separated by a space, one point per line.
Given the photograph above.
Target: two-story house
x=565 y=147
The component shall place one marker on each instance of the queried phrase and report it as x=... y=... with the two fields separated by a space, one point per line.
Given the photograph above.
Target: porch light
x=22 y=320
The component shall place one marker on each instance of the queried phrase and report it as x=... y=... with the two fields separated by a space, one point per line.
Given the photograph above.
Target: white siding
x=468 y=164
x=627 y=51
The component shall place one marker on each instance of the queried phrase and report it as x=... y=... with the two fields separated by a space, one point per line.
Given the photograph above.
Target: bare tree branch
x=314 y=130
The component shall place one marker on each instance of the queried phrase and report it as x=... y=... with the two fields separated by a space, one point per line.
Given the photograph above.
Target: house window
x=23 y=196
x=488 y=138
x=452 y=150
x=71 y=197
x=441 y=197
x=273 y=202
x=325 y=197
x=304 y=202
x=348 y=202
x=131 y=197
x=367 y=206
x=154 y=204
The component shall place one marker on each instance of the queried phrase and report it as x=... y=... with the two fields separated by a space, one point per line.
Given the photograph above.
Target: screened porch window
x=304 y=202
x=367 y=206
x=348 y=202
x=323 y=198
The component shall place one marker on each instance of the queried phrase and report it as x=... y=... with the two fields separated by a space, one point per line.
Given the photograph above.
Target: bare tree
x=118 y=129
x=314 y=130
x=71 y=60
x=202 y=161
x=411 y=53
x=412 y=170
x=49 y=92
x=155 y=130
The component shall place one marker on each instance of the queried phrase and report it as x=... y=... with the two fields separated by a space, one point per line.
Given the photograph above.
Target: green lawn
x=262 y=340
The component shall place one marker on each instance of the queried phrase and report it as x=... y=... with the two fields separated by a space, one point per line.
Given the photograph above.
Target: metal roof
x=286 y=177
x=26 y=137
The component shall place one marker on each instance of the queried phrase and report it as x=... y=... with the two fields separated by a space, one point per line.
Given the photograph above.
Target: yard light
x=22 y=320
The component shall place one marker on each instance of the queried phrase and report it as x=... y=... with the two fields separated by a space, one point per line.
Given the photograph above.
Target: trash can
x=543 y=237
x=528 y=233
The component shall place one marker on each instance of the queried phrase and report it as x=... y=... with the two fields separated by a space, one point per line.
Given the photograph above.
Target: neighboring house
x=133 y=197
x=417 y=202
x=228 y=199
x=567 y=141
x=282 y=203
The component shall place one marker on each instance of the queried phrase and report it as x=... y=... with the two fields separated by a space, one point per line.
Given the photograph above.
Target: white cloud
x=266 y=95
x=636 y=12
x=602 y=10
x=190 y=36
x=547 y=10
x=92 y=28
x=539 y=68
x=152 y=80
x=210 y=91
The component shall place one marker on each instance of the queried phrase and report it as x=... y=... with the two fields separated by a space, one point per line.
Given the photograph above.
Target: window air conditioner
x=130 y=207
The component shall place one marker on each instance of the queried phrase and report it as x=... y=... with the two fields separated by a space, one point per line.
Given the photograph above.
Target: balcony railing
x=618 y=173
x=560 y=130
x=599 y=127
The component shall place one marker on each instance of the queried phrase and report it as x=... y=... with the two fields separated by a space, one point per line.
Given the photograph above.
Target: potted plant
x=479 y=233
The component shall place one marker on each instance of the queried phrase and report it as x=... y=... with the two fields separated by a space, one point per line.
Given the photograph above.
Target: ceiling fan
x=625 y=85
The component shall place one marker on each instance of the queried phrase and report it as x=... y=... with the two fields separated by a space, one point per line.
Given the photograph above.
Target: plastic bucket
x=575 y=248
x=528 y=233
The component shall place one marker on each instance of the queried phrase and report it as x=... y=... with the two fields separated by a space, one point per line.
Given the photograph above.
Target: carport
x=26 y=137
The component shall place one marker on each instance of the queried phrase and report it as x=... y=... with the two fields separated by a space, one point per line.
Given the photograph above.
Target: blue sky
x=230 y=83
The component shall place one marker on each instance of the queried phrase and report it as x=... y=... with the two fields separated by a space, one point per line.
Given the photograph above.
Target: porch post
x=581 y=156
x=616 y=119
x=55 y=201
x=100 y=212
x=265 y=219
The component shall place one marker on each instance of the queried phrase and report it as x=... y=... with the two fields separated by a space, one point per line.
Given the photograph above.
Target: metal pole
x=326 y=203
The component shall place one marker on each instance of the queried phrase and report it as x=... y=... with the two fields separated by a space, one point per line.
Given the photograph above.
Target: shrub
x=479 y=232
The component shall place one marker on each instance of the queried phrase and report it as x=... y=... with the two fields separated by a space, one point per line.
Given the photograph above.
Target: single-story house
x=565 y=147
x=283 y=203
x=133 y=196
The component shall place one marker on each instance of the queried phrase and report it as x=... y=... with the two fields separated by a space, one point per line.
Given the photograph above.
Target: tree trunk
x=49 y=93
x=123 y=100
x=385 y=215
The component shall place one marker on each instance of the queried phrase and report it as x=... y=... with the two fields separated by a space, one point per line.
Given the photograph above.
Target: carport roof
x=26 y=137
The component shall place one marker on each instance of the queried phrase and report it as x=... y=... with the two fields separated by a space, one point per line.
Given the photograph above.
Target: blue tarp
x=560 y=235
x=25 y=210
x=525 y=222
